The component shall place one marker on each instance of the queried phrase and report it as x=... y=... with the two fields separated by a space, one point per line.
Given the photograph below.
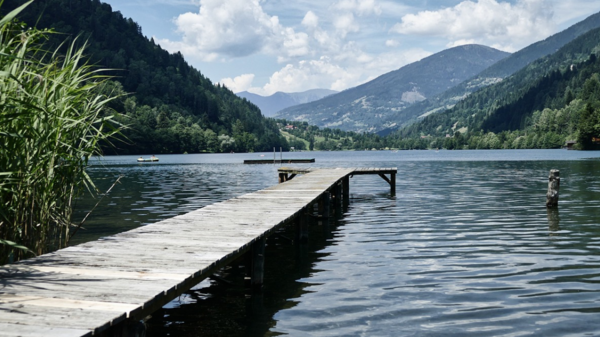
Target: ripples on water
x=466 y=248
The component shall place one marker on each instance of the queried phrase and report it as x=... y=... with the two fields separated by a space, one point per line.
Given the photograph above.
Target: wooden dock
x=105 y=287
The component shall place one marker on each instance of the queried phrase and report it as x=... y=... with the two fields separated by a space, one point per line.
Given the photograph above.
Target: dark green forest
x=303 y=136
x=168 y=106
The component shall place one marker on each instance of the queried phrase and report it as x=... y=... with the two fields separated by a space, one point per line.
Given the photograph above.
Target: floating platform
x=105 y=287
x=279 y=161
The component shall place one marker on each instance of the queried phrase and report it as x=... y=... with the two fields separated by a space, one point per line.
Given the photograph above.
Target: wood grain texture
x=90 y=287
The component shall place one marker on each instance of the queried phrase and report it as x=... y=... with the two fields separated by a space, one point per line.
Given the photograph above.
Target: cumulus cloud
x=336 y=74
x=233 y=28
x=322 y=45
x=344 y=24
x=311 y=20
x=500 y=24
x=238 y=83
x=360 y=7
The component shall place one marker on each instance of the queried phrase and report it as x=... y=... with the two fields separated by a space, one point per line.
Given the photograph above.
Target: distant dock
x=279 y=161
x=105 y=287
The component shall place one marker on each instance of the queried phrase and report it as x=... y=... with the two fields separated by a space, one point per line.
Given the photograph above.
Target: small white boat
x=151 y=159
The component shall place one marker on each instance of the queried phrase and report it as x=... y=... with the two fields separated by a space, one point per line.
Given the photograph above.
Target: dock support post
x=258 y=263
x=283 y=177
x=553 y=187
x=337 y=195
x=302 y=229
x=393 y=184
x=326 y=200
x=346 y=190
x=127 y=328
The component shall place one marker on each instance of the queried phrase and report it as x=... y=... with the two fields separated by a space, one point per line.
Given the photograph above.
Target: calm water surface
x=466 y=247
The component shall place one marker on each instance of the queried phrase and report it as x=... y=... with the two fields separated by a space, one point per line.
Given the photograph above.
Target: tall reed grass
x=51 y=124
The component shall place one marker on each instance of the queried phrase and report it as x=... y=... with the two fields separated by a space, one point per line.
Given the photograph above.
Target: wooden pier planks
x=86 y=289
x=288 y=173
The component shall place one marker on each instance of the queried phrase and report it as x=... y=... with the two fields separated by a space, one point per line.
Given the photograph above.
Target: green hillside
x=552 y=100
x=367 y=107
x=498 y=71
x=170 y=106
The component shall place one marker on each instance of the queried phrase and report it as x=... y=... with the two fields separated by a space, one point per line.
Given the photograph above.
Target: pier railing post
x=258 y=263
x=553 y=188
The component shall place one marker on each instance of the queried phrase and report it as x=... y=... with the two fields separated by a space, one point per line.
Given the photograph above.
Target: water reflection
x=553 y=221
x=457 y=254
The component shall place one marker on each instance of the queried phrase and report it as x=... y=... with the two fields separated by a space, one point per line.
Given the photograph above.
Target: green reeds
x=51 y=124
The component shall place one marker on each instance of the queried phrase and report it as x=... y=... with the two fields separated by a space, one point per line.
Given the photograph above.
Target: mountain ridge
x=270 y=105
x=540 y=106
x=364 y=107
x=498 y=71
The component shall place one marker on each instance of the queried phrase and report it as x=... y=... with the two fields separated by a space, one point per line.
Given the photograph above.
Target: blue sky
x=265 y=46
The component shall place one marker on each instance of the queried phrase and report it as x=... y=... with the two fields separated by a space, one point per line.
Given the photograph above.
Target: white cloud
x=575 y=10
x=500 y=24
x=336 y=74
x=238 y=83
x=311 y=20
x=360 y=7
x=233 y=28
x=321 y=73
x=392 y=43
x=344 y=24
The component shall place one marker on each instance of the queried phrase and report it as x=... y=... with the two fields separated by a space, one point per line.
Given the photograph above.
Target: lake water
x=467 y=247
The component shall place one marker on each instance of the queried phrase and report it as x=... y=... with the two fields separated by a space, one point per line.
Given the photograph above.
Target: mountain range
x=270 y=105
x=542 y=104
x=494 y=73
x=365 y=108
x=400 y=98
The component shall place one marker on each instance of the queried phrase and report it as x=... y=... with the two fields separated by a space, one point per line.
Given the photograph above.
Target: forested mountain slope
x=367 y=107
x=539 y=106
x=172 y=108
x=500 y=70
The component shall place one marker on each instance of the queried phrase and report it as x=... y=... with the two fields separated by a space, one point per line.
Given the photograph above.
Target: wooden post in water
x=393 y=184
x=258 y=263
x=553 y=188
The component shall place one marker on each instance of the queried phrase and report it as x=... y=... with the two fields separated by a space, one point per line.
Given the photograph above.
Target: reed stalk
x=52 y=121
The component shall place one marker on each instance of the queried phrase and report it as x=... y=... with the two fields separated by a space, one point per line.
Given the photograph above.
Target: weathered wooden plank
x=55 y=317
x=101 y=272
x=137 y=271
x=63 y=303
x=31 y=330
